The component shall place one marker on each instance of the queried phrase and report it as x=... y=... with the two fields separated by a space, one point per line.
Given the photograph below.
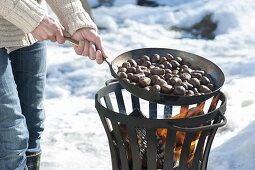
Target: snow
x=74 y=137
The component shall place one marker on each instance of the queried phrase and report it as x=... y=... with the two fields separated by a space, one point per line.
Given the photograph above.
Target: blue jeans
x=22 y=82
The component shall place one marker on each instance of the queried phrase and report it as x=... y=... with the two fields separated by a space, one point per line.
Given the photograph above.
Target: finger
x=76 y=50
x=52 y=39
x=86 y=48
x=61 y=27
x=99 y=57
x=79 y=49
x=57 y=31
x=99 y=45
x=92 y=51
x=59 y=35
x=104 y=53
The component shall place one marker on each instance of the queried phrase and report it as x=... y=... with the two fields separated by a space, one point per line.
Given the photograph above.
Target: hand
x=49 y=29
x=90 y=44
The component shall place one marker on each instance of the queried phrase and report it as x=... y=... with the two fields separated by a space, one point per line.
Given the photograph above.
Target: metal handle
x=111 y=81
x=108 y=62
x=72 y=41
x=205 y=127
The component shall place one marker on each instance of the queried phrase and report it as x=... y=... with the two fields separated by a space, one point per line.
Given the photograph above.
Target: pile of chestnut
x=166 y=74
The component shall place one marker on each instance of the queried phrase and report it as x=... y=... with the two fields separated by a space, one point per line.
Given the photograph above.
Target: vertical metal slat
x=120 y=101
x=199 y=150
x=114 y=154
x=108 y=102
x=121 y=146
x=169 y=150
x=135 y=102
x=136 y=160
x=186 y=151
x=151 y=149
x=152 y=110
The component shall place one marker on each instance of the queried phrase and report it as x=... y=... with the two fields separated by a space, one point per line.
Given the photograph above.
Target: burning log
x=214 y=103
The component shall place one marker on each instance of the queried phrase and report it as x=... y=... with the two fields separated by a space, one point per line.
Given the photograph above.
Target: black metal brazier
x=134 y=138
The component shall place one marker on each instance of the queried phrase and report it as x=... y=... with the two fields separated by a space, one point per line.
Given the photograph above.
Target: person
x=24 y=25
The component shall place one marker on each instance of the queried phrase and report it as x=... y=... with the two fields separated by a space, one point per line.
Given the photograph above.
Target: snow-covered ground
x=74 y=138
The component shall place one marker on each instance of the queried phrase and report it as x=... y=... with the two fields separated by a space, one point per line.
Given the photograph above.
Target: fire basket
x=152 y=136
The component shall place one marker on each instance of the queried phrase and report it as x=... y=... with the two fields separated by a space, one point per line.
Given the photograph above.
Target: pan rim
x=161 y=97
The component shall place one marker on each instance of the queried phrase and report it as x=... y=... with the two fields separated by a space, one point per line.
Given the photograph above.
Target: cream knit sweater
x=18 y=18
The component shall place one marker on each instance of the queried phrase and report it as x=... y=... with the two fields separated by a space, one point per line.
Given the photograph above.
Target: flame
x=185 y=112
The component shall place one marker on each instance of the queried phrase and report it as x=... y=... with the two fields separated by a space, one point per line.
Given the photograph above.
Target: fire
x=185 y=112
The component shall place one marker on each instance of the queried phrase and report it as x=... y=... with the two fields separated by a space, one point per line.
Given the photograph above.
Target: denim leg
x=13 y=129
x=29 y=70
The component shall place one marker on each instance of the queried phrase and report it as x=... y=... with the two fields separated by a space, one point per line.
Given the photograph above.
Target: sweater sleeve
x=25 y=14
x=71 y=14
